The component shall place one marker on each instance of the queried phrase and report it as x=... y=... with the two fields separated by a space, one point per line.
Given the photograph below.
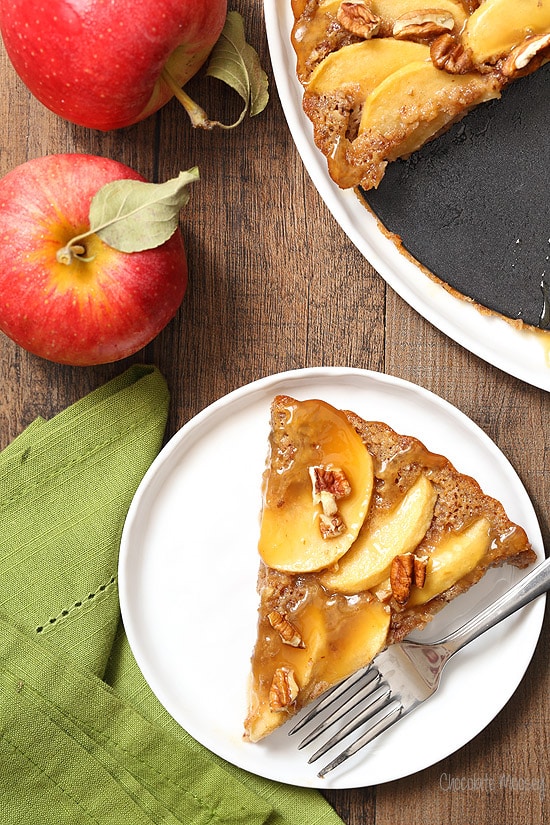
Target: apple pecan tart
x=383 y=77
x=365 y=535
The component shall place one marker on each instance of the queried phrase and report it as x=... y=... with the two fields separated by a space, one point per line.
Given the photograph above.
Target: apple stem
x=199 y=118
x=72 y=250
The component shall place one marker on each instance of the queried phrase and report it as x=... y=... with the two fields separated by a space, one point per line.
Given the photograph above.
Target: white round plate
x=188 y=567
x=523 y=353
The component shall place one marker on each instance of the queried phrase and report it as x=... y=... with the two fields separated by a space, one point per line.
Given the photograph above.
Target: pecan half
x=406 y=570
x=450 y=55
x=358 y=18
x=527 y=55
x=330 y=479
x=423 y=24
x=286 y=630
x=284 y=689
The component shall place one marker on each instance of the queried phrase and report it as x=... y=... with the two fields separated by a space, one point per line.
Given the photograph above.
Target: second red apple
x=100 y=64
x=96 y=304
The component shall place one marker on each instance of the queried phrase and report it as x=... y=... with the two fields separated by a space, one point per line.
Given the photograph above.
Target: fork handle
x=534 y=584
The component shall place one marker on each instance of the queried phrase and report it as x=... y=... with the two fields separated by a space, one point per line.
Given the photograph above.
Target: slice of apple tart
x=365 y=535
x=383 y=77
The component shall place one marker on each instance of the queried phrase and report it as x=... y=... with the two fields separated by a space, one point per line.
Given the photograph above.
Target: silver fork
x=403 y=676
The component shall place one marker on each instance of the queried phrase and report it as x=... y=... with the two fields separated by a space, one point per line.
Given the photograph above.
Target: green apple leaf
x=131 y=215
x=236 y=63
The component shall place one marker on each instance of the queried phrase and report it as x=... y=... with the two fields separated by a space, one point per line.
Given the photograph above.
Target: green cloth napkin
x=82 y=737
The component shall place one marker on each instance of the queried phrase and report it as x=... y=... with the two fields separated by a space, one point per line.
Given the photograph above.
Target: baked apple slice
x=317 y=487
x=410 y=107
x=457 y=555
x=389 y=533
x=356 y=70
x=498 y=26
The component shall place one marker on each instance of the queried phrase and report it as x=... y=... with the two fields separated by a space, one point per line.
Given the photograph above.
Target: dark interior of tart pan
x=473 y=206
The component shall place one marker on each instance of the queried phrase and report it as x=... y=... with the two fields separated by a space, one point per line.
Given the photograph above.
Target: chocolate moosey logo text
x=486 y=783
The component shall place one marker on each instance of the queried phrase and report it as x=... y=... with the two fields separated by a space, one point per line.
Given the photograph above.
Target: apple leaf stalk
x=131 y=215
x=235 y=63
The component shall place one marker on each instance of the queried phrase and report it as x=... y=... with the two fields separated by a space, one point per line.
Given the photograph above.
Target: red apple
x=90 y=311
x=99 y=64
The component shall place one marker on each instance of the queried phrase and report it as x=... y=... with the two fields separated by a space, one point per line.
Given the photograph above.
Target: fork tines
x=388 y=715
x=367 y=691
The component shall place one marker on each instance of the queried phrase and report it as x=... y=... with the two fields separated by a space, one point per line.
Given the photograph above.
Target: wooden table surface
x=276 y=285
